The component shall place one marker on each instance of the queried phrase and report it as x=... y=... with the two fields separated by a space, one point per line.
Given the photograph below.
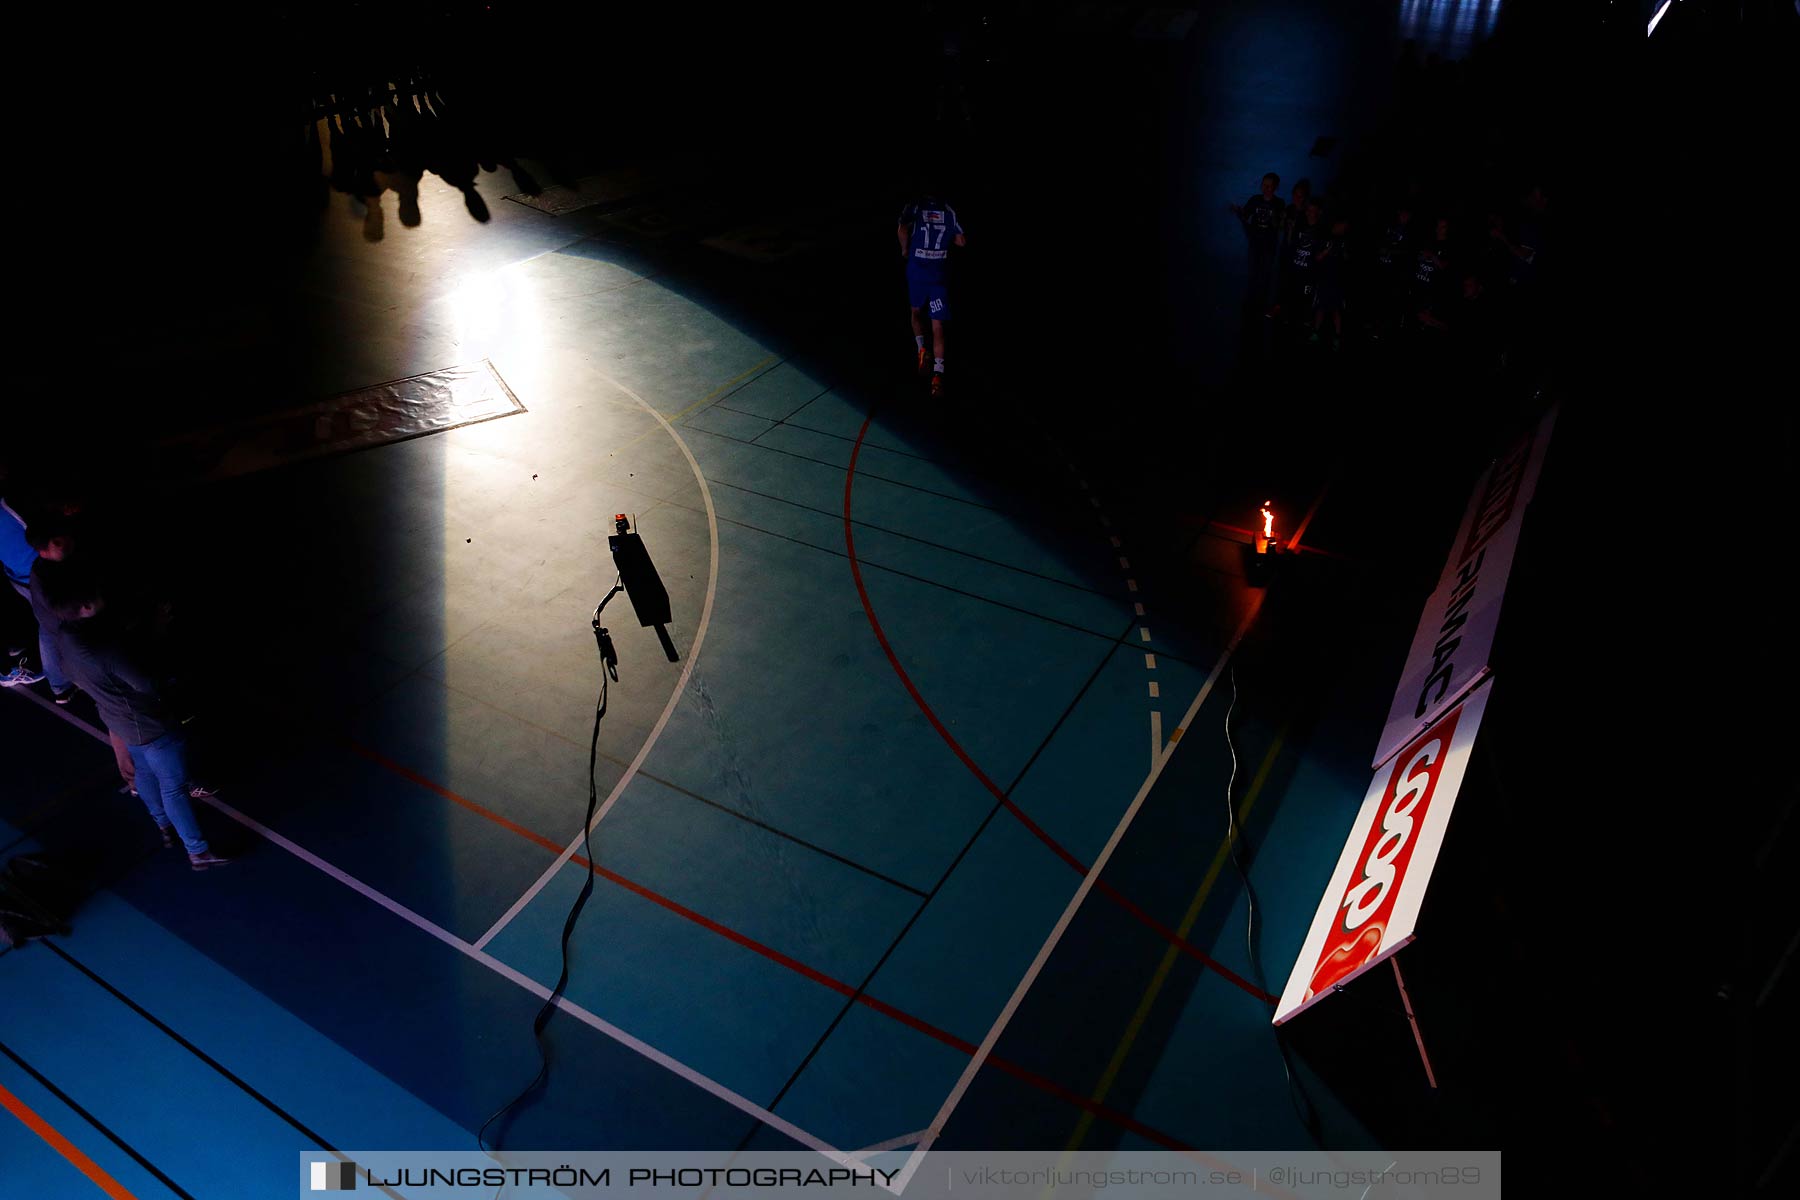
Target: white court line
x=687 y=670
x=673 y=1065
x=1156 y=741
x=904 y=1140
x=1149 y=662
x=476 y=950
x=1161 y=760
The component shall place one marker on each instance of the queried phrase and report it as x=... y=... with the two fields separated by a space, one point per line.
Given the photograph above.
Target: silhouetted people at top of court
x=384 y=138
x=1448 y=134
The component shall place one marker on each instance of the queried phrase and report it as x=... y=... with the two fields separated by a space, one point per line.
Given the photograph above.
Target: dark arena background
x=983 y=719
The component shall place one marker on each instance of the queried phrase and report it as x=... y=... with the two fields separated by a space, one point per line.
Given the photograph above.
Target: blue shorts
x=931 y=295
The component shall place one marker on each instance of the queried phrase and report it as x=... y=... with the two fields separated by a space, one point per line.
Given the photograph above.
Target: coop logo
x=1387 y=851
x=332 y=1177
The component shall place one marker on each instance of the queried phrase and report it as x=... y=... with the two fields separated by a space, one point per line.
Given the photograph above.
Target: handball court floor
x=924 y=832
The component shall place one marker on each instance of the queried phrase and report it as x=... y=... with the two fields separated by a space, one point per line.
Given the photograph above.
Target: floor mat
x=371 y=416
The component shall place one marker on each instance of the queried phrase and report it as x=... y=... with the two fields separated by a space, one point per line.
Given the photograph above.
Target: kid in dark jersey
x=1303 y=246
x=1432 y=272
x=1395 y=258
x=1261 y=217
x=1291 y=217
x=1333 y=271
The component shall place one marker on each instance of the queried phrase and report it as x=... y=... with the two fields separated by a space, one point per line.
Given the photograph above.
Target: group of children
x=97 y=635
x=1417 y=276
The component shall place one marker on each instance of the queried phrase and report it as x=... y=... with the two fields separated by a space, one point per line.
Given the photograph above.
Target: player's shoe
x=937 y=385
x=924 y=362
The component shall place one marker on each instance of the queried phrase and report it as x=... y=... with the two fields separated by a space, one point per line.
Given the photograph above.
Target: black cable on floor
x=609 y=671
x=1303 y=1106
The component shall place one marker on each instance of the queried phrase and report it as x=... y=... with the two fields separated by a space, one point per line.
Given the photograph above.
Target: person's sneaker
x=64 y=696
x=924 y=363
x=23 y=673
x=937 y=384
x=201 y=791
x=209 y=860
x=168 y=836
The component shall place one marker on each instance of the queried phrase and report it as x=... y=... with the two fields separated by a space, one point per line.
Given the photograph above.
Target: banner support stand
x=1413 y=1020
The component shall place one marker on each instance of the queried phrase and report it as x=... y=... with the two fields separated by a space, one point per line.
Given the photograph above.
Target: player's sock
x=919 y=340
x=937 y=366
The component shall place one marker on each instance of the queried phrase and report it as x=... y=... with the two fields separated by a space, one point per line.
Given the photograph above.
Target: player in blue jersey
x=928 y=229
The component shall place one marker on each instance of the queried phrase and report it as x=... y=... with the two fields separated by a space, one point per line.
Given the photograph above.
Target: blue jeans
x=48 y=656
x=162 y=786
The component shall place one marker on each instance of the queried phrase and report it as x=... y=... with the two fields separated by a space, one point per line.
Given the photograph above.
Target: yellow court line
x=1188 y=920
x=703 y=401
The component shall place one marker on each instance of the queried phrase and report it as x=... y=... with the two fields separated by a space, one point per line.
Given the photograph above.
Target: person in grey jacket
x=110 y=660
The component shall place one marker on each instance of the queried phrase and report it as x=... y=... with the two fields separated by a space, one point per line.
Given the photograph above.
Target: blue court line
x=781 y=421
x=230 y=1076
x=911 y=537
x=83 y=1037
x=730 y=422
x=1006 y=530
x=843 y=417
x=948 y=587
x=936 y=888
x=917 y=578
x=774 y=394
x=881 y=478
x=688 y=792
x=841 y=437
x=650 y=1056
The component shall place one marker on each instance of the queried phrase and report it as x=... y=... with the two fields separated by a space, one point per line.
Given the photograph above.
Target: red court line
x=981 y=776
x=775 y=956
x=429 y=785
x=63 y=1146
x=888 y=1010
